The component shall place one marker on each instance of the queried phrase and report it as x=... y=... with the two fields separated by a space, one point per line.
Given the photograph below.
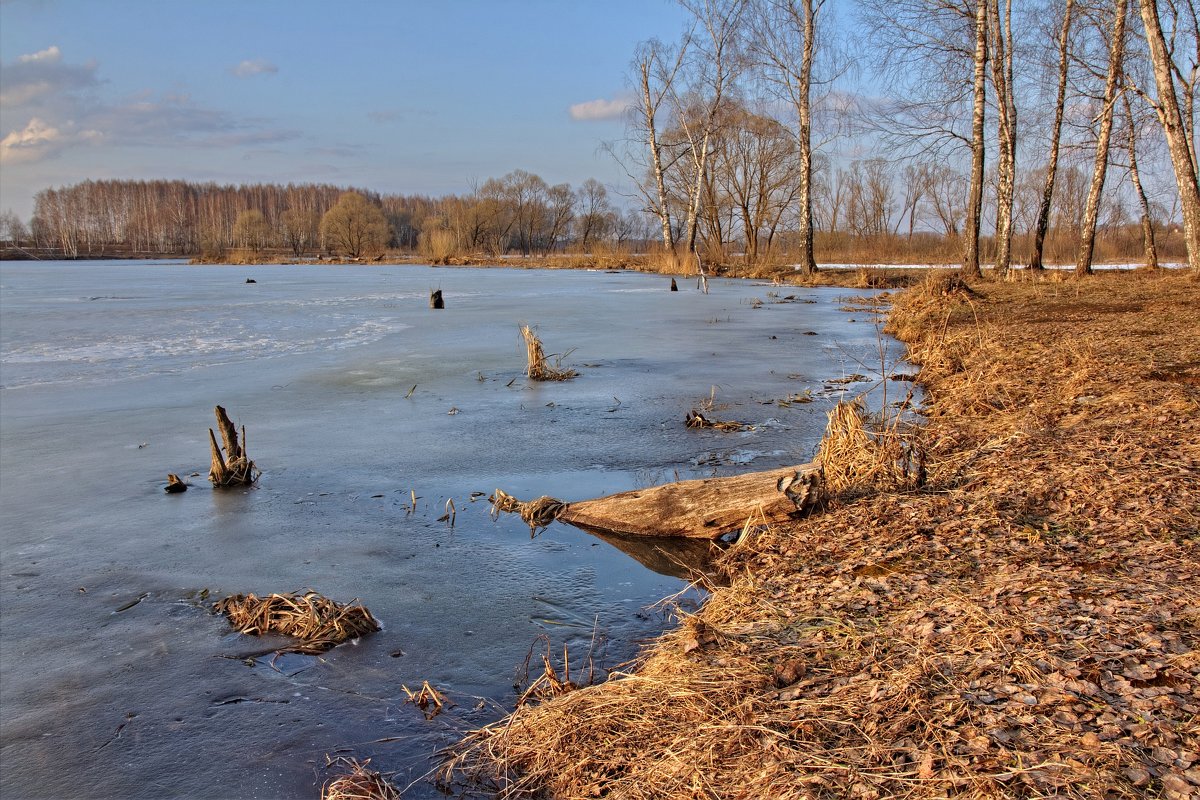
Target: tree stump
x=674 y=286
x=435 y=299
x=234 y=468
x=175 y=484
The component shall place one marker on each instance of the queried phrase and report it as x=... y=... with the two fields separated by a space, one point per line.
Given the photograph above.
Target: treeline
x=517 y=213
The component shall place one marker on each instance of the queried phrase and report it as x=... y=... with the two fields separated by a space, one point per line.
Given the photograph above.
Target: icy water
x=117 y=681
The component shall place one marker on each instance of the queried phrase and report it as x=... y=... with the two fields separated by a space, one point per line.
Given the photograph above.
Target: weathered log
x=706 y=508
x=175 y=484
x=435 y=299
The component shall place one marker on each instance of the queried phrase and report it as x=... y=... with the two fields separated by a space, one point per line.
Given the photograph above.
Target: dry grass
x=318 y=622
x=697 y=420
x=860 y=453
x=538 y=366
x=1026 y=625
x=358 y=782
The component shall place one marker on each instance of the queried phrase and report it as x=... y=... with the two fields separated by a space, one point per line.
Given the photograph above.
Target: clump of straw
x=428 y=699
x=318 y=622
x=858 y=453
x=359 y=783
x=697 y=420
x=538 y=514
x=538 y=366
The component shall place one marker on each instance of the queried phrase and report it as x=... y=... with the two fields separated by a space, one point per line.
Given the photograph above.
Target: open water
x=115 y=678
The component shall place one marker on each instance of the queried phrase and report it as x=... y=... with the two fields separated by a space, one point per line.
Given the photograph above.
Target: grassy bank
x=1025 y=624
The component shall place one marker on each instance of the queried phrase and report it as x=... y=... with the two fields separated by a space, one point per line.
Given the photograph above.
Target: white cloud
x=51 y=55
x=600 y=109
x=39 y=141
x=252 y=67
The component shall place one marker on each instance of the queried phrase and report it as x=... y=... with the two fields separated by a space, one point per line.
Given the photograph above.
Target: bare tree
x=785 y=44
x=1043 y=217
x=1116 y=51
x=697 y=113
x=1179 y=131
x=1149 y=246
x=355 y=226
x=1001 y=57
x=656 y=72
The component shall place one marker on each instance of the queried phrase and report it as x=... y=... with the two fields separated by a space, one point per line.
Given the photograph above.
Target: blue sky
x=403 y=96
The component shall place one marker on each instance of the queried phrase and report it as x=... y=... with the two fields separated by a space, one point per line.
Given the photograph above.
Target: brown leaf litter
x=1026 y=623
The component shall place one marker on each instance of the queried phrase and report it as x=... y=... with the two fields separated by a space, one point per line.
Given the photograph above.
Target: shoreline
x=1026 y=623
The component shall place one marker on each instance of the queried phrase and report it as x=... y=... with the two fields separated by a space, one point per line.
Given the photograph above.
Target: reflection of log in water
x=677 y=557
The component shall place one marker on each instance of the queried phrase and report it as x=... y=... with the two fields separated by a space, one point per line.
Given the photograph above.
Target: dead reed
x=428 y=699
x=358 y=782
x=538 y=366
x=697 y=420
x=861 y=452
x=318 y=623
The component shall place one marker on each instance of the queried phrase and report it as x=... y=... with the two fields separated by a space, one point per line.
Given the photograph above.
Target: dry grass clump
x=697 y=420
x=538 y=514
x=318 y=622
x=428 y=699
x=538 y=366
x=860 y=452
x=1026 y=626
x=358 y=783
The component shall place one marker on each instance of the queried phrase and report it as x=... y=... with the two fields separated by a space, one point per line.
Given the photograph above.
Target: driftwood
x=234 y=468
x=435 y=299
x=175 y=484
x=707 y=508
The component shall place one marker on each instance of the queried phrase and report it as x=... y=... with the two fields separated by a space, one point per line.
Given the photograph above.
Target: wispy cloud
x=252 y=67
x=600 y=109
x=33 y=78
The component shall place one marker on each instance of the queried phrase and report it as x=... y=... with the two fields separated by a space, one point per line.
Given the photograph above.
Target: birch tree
x=1112 y=87
x=1042 y=225
x=784 y=42
x=1179 y=131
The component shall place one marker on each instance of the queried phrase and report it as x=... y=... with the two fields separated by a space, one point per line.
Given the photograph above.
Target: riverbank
x=1026 y=623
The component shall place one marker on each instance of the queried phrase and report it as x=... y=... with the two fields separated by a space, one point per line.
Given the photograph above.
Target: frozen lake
x=109 y=372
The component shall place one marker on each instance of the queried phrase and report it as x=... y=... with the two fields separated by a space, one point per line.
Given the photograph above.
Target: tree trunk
x=705 y=509
x=1175 y=129
x=1116 y=50
x=970 y=266
x=1006 y=134
x=808 y=262
x=1149 y=248
x=1043 y=219
x=649 y=109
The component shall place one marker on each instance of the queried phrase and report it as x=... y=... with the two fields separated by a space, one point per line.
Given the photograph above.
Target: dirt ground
x=1024 y=623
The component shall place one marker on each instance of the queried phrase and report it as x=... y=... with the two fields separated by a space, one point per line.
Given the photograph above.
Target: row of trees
x=745 y=122
x=518 y=212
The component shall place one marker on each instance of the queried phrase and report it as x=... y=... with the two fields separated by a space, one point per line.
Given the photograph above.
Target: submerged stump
x=435 y=299
x=175 y=484
x=233 y=468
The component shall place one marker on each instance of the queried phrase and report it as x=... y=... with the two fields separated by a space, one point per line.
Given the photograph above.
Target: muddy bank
x=1027 y=623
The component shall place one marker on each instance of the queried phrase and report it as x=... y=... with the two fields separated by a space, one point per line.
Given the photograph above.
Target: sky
x=397 y=96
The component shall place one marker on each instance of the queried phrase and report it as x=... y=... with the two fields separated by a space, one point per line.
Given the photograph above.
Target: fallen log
x=705 y=508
